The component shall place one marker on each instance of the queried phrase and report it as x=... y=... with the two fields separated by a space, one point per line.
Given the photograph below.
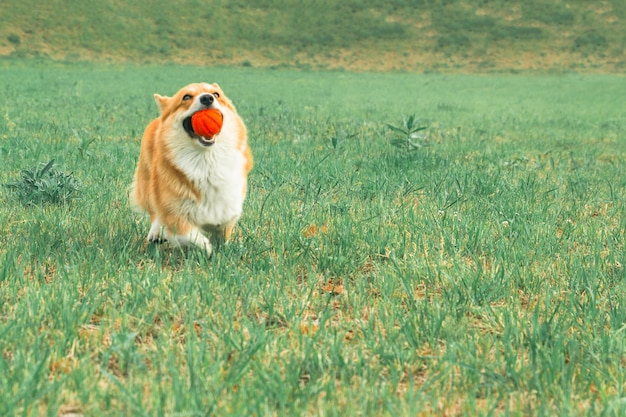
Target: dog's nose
x=206 y=99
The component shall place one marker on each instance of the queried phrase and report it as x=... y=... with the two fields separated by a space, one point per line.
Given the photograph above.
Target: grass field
x=393 y=35
x=482 y=274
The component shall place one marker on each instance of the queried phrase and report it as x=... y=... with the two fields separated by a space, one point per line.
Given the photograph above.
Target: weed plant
x=407 y=135
x=481 y=275
x=44 y=184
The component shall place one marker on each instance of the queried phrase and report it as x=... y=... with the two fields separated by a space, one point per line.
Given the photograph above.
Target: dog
x=193 y=187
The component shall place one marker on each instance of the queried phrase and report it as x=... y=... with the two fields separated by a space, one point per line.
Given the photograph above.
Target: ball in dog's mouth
x=203 y=140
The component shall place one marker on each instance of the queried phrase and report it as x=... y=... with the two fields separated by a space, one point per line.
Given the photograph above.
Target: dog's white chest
x=218 y=175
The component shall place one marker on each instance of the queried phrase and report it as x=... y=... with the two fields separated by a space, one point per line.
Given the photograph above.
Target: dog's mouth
x=203 y=140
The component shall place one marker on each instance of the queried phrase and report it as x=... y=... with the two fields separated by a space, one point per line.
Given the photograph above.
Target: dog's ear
x=161 y=101
x=217 y=86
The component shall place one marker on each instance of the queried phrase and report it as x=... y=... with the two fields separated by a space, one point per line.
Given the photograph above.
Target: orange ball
x=207 y=123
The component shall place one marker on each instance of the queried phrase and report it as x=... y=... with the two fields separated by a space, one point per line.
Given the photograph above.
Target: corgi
x=193 y=187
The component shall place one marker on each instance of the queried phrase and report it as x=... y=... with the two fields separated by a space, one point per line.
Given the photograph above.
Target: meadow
x=409 y=35
x=481 y=273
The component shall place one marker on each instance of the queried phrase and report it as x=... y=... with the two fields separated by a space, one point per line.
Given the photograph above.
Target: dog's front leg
x=193 y=237
x=155 y=235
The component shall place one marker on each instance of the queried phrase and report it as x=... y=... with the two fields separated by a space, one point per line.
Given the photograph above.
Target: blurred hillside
x=412 y=35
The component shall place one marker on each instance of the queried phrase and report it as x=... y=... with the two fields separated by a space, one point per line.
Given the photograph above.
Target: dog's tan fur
x=191 y=186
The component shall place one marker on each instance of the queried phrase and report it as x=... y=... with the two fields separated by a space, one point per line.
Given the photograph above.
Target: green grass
x=373 y=34
x=480 y=275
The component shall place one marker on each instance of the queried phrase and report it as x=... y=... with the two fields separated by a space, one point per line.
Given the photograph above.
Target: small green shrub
x=14 y=39
x=453 y=42
x=590 y=41
x=39 y=185
x=408 y=136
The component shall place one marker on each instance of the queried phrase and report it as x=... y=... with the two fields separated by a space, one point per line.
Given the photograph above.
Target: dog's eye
x=216 y=95
x=187 y=97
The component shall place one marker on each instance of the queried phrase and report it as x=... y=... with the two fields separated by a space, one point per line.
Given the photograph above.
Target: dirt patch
x=365 y=59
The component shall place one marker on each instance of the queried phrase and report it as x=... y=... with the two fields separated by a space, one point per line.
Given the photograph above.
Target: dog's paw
x=209 y=250
x=156 y=235
x=157 y=240
x=198 y=239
